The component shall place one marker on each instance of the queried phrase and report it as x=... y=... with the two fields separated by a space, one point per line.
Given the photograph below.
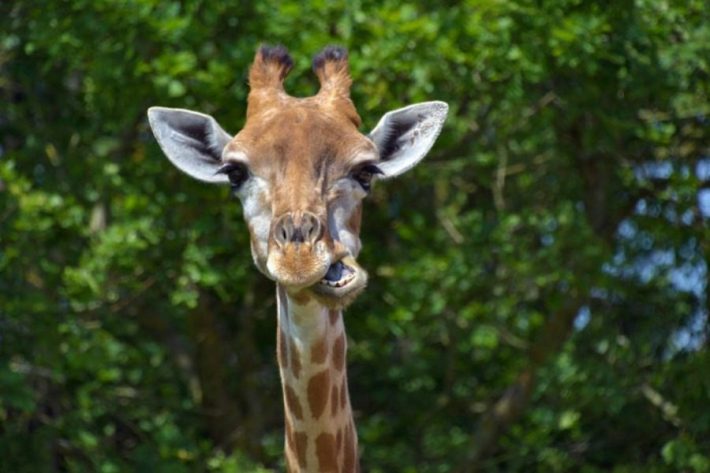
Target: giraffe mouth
x=343 y=278
x=339 y=274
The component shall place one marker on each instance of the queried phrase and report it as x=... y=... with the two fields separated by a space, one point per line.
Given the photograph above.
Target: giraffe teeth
x=341 y=283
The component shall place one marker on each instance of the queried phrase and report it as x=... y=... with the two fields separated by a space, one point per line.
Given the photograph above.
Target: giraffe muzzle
x=298 y=254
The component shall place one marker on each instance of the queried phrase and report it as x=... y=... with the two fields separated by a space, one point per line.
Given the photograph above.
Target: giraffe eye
x=237 y=173
x=364 y=175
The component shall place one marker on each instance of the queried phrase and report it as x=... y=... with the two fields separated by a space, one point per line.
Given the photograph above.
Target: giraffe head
x=301 y=169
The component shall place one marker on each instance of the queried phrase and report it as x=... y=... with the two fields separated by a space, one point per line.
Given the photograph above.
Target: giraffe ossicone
x=301 y=169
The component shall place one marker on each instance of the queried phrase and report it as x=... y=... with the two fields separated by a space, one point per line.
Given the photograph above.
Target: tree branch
x=505 y=411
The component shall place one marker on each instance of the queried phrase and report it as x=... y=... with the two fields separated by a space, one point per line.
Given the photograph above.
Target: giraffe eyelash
x=364 y=175
x=237 y=173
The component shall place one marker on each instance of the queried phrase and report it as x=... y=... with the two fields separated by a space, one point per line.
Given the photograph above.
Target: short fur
x=300 y=163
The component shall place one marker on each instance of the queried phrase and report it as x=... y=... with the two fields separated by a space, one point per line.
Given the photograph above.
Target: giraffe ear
x=404 y=136
x=192 y=141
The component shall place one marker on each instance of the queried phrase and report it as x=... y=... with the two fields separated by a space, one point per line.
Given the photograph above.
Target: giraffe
x=301 y=170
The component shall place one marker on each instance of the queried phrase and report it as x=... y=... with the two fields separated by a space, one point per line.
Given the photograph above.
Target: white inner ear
x=192 y=141
x=404 y=136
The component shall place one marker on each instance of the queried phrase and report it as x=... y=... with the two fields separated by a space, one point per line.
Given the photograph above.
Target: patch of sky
x=582 y=318
x=654 y=170
x=702 y=169
x=691 y=337
x=690 y=277
x=704 y=202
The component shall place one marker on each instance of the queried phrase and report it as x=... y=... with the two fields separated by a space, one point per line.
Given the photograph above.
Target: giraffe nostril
x=283 y=229
x=308 y=229
x=305 y=228
x=311 y=227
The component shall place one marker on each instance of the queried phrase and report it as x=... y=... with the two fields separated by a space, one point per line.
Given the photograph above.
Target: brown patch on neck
x=319 y=351
x=290 y=446
x=301 y=445
x=292 y=402
x=295 y=360
x=339 y=352
x=326 y=453
x=318 y=390
x=296 y=444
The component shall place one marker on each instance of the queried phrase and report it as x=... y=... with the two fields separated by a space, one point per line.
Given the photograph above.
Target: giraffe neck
x=311 y=343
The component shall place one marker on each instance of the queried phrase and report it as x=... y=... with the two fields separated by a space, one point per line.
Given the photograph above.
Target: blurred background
x=538 y=297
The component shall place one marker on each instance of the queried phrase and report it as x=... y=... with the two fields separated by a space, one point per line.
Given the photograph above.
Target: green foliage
x=539 y=295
